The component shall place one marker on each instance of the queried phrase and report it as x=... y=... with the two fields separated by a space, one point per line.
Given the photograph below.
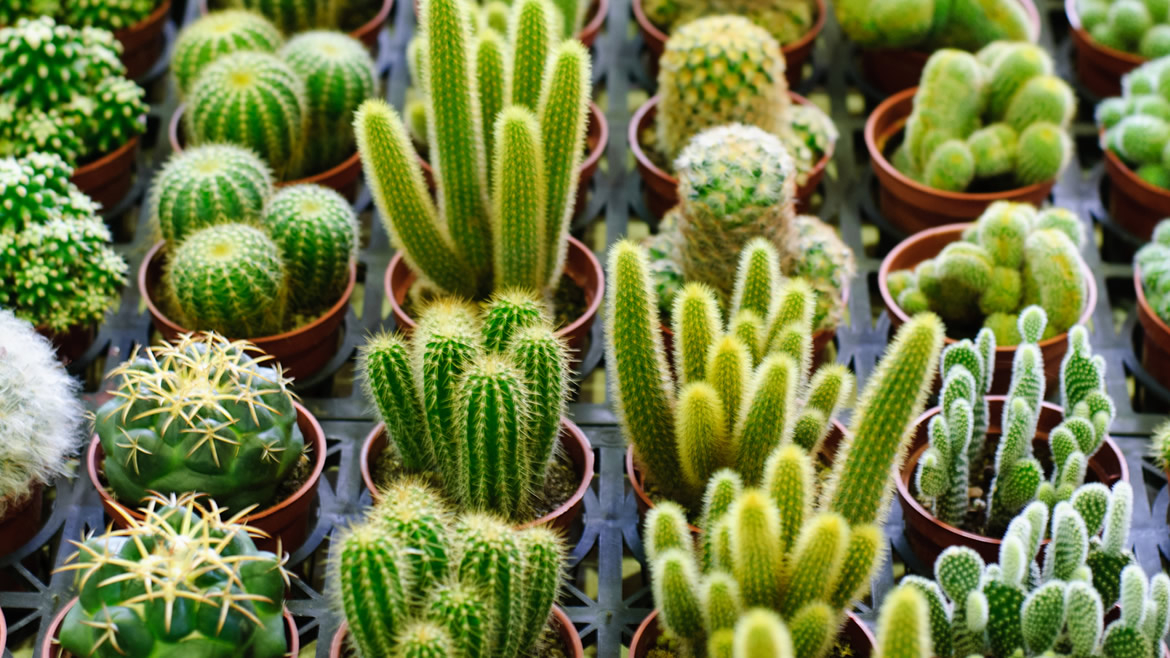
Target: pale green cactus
x=206 y=185
x=919 y=24
x=215 y=35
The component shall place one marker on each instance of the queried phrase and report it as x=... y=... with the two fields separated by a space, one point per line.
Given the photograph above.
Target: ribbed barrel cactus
x=316 y=231
x=416 y=579
x=182 y=581
x=1137 y=124
x=202 y=414
x=930 y=24
x=477 y=398
x=293 y=16
x=217 y=34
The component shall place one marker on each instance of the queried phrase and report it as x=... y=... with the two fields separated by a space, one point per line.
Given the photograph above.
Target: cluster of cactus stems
x=110 y=15
x=1128 y=25
x=416 y=579
x=931 y=24
x=1011 y=258
x=203 y=414
x=182 y=581
x=1153 y=263
x=1137 y=123
x=786 y=20
x=64 y=91
x=477 y=398
x=506 y=121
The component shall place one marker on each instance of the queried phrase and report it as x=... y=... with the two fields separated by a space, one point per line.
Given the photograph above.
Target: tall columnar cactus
x=483 y=588
x=477 y=399
x=206 y=185
x=316 y=231
x=199 y=415
x=252 y=99
x=137 y=595
x=217 y=34
x=339 y=75
x=228 y=278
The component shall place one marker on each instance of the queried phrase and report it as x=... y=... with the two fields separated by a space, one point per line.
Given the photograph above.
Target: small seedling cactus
x=202 y=414
x=184 y=580
x=928 y=25
x=217 y=34
x=477 y=398
x=1132 y=26
x=314 y=227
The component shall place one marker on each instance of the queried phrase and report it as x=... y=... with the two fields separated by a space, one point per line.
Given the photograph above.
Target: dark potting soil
x=568 y=301
x=549 y=645
x=976 y=519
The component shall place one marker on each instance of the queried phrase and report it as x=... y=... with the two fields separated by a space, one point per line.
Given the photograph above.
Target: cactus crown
x=217 y=34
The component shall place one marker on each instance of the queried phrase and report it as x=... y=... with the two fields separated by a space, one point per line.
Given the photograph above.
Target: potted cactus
x=361 y=19
x=475 y=242
x=208 y=415
x=478 y=400
x=978 y=459
x=897 y=37
x=573 y=19
x=979 y=129
x=756 y=95
x=138 y=594
x=1114 y=37
x=57 y=268
x=277 y=269
x=64 y=91
x=40 y=423
x=1010 y=258
x=1151 y=287
x=417 y=579
x=219 y=33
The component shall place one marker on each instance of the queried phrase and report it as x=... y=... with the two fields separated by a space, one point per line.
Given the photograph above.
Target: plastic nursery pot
x=662 y=187
x=367 y=33
x=573 y=441
x=892 y=70
x=143 y=43
x=854 y=634
x=286 y=522
x=343 y=177
x=594 y=18
x=795 y=53
x=20 y=523
x=637 y=478
x=1099 y=67
x=570 y=639
x=301 y=351
x=1134 y=204
x=928 y=536
x=580 y=265
x=107 y=180
x=911 y=206
x=927 y=244
x=51 y=649
x=1155 y=335
x=72 y=343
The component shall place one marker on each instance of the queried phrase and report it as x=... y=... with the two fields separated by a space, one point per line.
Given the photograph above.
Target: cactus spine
x=215 y=35
x=316 y=231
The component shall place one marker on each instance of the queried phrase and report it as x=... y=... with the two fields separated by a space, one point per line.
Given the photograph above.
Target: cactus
x=921 y=25
x=293 y=16
x=338 y=73
x=316 y=231
x=135 y=586
x=206 y=185
x=1135 y=124
x=110 y=15
x=114 y=116
x=266 y=93
x=217 y=34
x=903 y=626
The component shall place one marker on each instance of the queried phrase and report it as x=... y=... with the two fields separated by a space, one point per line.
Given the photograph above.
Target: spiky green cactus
x=114 y=116
x=215 y=35
x=252 y=99
x=206 y=185
x=293 y=16
x=316 y=231
x=110 y=15
x=903 y=626
x=924 y=25
x=532 y=33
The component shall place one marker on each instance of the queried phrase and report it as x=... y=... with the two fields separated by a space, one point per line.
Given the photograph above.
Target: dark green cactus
x=206 y=185
x=316 y=231
x=215 y=35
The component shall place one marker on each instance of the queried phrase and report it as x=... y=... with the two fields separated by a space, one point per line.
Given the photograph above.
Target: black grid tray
x=608 y=594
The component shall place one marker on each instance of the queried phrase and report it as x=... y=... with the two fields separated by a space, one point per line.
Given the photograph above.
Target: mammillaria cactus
x=1137 y=124
x=138 y=594
x=203 y=415
x=1128 y=25
x=215 y=35
x=316 y=231
x=786 y=20
x=110 y=15
x=928 y=24
x=1153 y=263
x=478 y=399
x=40 y=413
x=415 y=578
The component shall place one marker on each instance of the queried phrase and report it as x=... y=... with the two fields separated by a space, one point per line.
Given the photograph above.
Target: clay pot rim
x=1144 y=303
x=634 y=138
x=1074 y=22
x=652 y=619
x=294 y=644
x=360 y=33
x=879 y=161
x=1131 y=178
x=567 y=427
x=407 y=322
x=106 y=159
x=590 y=30
x=656 y=33
x=317 y=437
x=259 y=341
x=957 y=229
x=153 y=18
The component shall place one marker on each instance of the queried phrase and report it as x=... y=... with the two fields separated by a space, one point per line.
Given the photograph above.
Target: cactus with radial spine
x=927 y=25
x=206 y=185
x=217 y=34
x=316 y=231
x=110 y=15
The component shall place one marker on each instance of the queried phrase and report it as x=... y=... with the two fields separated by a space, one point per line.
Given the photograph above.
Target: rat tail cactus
x=217 y=34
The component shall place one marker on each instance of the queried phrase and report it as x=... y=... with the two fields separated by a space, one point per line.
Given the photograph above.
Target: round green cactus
x=1156 y=42
x=951 y=167
x=1015 y=67
x=215 y=35
x=200 y=415
x=38 y=62
x=1129 y=20
x=110 y=15
x=293 y=16
x=36 y=130
x=1044 y=151
x=316 y=231
x=1140 y=138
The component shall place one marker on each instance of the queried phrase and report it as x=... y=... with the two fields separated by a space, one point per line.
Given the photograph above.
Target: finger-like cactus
x=903 y=626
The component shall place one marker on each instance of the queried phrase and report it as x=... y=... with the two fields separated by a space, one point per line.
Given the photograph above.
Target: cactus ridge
x=217 y=34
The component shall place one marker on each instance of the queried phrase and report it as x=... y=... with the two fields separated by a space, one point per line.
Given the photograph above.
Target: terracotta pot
x=892 y=70
x=3 y=631
x=1155 y=335
x=573 y=441
x=594 y=18
x=662 y=187
x=596 y=139
x=50 y=648
x=569 y=636
x=1099 y=67
x=1134 y=204
x=301 y=351
x=344 y=178
x=143 y=43
x=911 y=206
x=638 y=481
x=928 y=536
x=855 y=634
x=795 y=53
x=367 y=33
x=107 y=180
x=927 y=244
x=286 y=522
x=72 y=344
x=580 y=265
x=21 y=522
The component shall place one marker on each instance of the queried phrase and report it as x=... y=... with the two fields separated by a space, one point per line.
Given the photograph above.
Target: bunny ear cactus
x=215 y=35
